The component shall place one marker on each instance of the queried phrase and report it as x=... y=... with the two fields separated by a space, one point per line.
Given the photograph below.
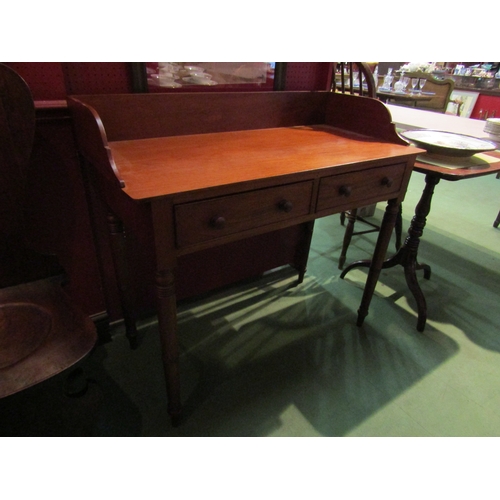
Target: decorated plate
x=447 y=143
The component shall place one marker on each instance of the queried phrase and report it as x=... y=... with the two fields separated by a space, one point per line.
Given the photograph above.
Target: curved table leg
x=412 y=282
x=407 y=254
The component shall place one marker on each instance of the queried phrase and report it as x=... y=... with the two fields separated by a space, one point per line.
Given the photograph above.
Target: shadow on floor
x=307 y=355
x=251 y=356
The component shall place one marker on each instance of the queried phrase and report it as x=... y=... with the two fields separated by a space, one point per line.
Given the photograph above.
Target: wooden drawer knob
x=387 y=181
x=217 y=222
x=345 y=191
x=285 y=205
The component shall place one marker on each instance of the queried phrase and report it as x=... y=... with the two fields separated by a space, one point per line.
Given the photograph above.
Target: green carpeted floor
x=269 y=359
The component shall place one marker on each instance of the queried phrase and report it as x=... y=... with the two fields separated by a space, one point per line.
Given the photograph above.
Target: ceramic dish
x=447 y=143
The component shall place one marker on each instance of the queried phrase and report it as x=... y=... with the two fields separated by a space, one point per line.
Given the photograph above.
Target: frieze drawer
x=353 y=188
x=217 y=217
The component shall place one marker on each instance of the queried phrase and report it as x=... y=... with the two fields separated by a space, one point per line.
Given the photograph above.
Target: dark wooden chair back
x=41 y=333
x=356 y=78
x=346 y=78
x=17 y=130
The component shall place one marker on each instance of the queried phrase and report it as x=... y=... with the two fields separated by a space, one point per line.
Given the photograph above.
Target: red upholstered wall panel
x=97 y=78
x=45 y=79
x=307 y=75
x=53 y=81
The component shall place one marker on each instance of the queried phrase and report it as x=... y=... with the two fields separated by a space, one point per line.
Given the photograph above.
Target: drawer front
x=210 y=219
x=352 y=189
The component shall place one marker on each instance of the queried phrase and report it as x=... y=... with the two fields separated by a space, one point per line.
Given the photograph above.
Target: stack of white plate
x=492 y=128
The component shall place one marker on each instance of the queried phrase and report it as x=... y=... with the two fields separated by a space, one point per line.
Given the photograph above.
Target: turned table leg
x=166 y=302
x=303 y=250
x=118 y=246
x=167 y=324
x=411 y=244
x=377 y=262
